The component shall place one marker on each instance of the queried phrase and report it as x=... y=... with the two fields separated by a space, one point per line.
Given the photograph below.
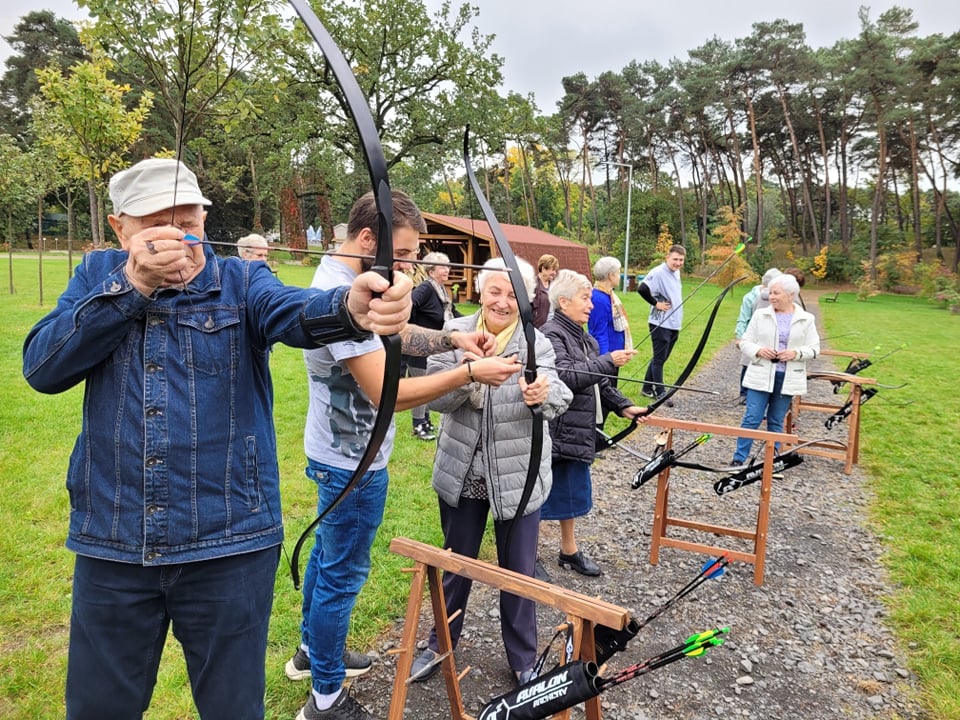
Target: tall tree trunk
x=676 y=172
x=255 y=195
x=877 y=209
x=523 y=184
x=583 y=186
x=96 y=231
x=915 y=163
x=803 y=174
x=593 y=202
x=825 y=155
x=506 y=182
x=843 y=191
x=292 y=231
x=757 y=166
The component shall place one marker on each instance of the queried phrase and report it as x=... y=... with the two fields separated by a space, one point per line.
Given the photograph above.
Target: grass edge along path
x=912 y=455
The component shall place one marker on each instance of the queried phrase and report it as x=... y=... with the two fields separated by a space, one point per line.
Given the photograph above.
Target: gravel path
x=811 y=643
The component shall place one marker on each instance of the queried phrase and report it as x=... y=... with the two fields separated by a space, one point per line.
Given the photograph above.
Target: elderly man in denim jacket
x=173 y=481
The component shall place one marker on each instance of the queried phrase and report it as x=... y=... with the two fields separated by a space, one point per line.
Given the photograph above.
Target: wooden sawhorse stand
x=661 y=515
x=850 y=451
x=582 y=611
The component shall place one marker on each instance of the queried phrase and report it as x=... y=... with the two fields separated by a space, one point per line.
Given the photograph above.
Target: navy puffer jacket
x=573 y=431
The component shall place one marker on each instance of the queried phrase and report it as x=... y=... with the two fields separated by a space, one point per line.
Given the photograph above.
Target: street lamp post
x=626 y=241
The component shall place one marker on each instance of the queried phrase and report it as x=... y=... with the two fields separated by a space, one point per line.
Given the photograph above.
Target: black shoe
x=579 y=562
x=648 y=393
x=345 y=708
x=356 y=664
x=540 y=572
x=424 y=433
x=424 y=666
x=668 y=403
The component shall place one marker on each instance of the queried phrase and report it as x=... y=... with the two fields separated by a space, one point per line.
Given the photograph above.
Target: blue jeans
x=774 y=404
x=220 y=610
x=338 y=567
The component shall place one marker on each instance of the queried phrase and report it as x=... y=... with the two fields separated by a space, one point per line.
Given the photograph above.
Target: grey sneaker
x=345 y=708
x=356 y=664
x=424 y=666
x=526 y=676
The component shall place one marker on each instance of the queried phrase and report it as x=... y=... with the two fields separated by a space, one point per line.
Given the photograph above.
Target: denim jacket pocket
x=209 y=338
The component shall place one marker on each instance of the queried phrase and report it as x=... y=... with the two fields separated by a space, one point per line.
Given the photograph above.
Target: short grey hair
x=604 y=266
x=769 y=275
x=431 y=258
x=567 y=284
x=495 y=265
x=788 y=283
x=248 y=242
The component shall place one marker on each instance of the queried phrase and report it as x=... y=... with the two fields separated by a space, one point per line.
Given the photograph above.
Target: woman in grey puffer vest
x=483 y=452
x=581 y=367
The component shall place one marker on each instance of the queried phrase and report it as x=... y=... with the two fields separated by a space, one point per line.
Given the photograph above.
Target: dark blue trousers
x=219 y=610
x=463 y=529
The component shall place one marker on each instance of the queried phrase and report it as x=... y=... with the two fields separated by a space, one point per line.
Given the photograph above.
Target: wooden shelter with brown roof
x=465 y=240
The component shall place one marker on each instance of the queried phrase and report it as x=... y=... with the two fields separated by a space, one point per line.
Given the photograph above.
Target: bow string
x=687 y=371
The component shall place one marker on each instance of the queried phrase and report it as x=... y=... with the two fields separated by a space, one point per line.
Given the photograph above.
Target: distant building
x=471 y=241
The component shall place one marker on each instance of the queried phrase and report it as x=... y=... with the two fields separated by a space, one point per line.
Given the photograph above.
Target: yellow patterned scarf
x=503 y=337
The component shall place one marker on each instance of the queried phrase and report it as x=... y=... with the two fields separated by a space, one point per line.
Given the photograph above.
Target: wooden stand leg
x=408 y=643
x=445 y=645
x=853 y=430
x=763 y=515
x=660 y=508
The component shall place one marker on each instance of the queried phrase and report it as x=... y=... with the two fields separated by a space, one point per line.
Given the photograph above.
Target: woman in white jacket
x=776 y=346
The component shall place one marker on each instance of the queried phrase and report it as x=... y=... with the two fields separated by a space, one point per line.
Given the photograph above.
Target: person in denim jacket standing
x=173 y=480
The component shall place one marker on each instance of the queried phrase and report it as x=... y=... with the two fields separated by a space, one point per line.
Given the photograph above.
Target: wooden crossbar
x=582 y=611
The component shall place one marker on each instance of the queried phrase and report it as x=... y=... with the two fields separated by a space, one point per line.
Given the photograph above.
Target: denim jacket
x=176 y=459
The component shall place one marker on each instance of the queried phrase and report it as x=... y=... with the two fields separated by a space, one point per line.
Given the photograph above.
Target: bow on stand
x=529 y=333
x=577 y=681
x=383 y=262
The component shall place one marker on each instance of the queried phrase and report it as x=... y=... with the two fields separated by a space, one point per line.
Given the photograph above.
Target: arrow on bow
x=608 y=642
x=377 y=168
x=529 y=333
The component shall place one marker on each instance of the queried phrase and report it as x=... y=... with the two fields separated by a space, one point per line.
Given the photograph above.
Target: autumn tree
x=82 y=117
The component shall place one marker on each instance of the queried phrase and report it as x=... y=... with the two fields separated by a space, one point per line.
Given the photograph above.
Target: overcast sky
x=544 y=40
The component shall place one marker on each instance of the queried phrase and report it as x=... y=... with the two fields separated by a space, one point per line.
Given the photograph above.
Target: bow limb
x=383 y=262
x=605 y=441
x=529 y=332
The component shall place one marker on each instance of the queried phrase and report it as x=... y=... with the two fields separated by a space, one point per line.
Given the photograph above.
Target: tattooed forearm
x=421 y=342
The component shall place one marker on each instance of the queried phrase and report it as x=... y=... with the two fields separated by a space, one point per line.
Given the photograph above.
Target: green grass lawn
x=911 y=453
